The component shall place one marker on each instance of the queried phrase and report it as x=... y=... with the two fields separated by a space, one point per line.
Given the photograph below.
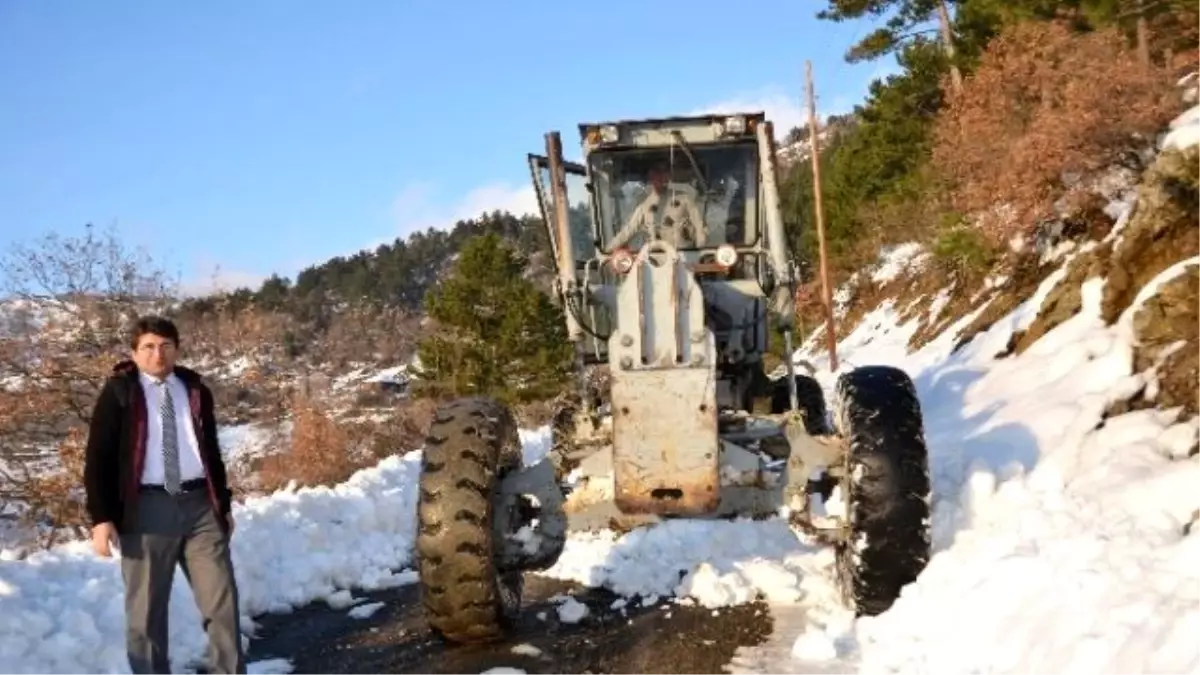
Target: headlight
x=609 y=133
x=621 y=261
x=735 y=125
x=726 y=255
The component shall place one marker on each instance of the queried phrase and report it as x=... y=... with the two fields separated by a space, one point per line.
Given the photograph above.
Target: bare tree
x=69 y=301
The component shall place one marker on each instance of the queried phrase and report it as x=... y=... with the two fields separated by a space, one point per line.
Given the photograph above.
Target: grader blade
x=665 y=442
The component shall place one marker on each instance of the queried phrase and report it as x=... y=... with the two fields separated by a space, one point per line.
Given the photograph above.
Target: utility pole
x=815 y=151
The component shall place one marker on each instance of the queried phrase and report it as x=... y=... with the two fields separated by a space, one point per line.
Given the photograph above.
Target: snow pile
x=715 y=563
x=269 y=667
x=1185 y=130
x=63 y=610
x=572 y=611
x=367 y=373
x=365 y=611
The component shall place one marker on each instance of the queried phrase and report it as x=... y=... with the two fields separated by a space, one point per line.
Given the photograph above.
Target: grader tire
x=471 y=444
x=886 y=487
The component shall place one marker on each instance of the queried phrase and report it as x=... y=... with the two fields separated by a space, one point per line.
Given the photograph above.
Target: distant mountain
x=394 y=275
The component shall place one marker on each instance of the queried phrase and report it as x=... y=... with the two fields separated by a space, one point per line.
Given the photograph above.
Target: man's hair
x=154 y=325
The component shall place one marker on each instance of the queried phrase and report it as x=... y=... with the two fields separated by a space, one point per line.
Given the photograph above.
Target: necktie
x=170 y=440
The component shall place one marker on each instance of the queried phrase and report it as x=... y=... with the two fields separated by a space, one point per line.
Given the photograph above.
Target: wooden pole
x=826 y=291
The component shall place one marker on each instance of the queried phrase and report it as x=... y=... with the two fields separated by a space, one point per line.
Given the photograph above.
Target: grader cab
x=671 y=255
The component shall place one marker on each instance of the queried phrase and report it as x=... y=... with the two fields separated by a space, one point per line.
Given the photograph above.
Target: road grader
x=671 y=257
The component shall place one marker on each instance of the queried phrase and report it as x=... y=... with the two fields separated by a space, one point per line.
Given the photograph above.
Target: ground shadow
x=960 y=444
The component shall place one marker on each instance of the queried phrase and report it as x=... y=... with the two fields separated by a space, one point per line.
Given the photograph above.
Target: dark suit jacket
x=116 y=446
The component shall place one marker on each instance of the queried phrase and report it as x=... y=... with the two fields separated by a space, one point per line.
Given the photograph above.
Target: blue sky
x=245 y=138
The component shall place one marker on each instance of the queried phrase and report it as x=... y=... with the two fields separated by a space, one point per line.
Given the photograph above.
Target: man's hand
x=104 y=535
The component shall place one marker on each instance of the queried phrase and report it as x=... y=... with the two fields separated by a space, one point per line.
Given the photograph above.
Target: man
x=156 y=486
x=681 y=224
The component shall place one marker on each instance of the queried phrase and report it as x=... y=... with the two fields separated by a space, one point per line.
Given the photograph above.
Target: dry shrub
x=535 y=413
x=70 y=301
x=1045 y=107
x=318 y=454
x=253 y=340
x=325 y=451
x=372 y=395
x=53 y=500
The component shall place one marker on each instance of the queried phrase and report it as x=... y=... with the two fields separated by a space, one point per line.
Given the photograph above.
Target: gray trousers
x=179 y=530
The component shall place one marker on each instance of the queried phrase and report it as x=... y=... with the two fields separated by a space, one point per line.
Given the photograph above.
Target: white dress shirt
x=190 y=464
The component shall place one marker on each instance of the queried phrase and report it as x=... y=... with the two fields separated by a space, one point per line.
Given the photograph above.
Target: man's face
x=154 y=354
x=658 y=178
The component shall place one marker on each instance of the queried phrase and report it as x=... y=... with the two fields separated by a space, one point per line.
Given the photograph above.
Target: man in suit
x=156 y=486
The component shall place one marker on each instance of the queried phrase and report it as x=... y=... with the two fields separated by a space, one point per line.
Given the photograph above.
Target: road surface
x=661 y=638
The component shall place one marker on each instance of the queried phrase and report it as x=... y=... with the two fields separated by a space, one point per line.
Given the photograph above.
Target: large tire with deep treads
x=809 y=396
x=471 y=444
x=886 y=487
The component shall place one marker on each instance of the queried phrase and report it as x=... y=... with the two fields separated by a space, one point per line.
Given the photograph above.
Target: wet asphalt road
x=661 y=638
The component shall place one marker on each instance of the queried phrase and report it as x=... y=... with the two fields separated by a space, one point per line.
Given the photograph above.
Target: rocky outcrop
x=1161 y=231
x=1166 y=327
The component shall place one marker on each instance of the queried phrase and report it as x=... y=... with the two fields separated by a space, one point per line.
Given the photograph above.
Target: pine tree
x=497 y=334
x=901 y=28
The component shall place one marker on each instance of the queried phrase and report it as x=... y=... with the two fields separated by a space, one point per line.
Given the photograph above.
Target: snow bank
x=1185 y=130
x=63 y=610
x=1058 y=544
x=715 y=563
